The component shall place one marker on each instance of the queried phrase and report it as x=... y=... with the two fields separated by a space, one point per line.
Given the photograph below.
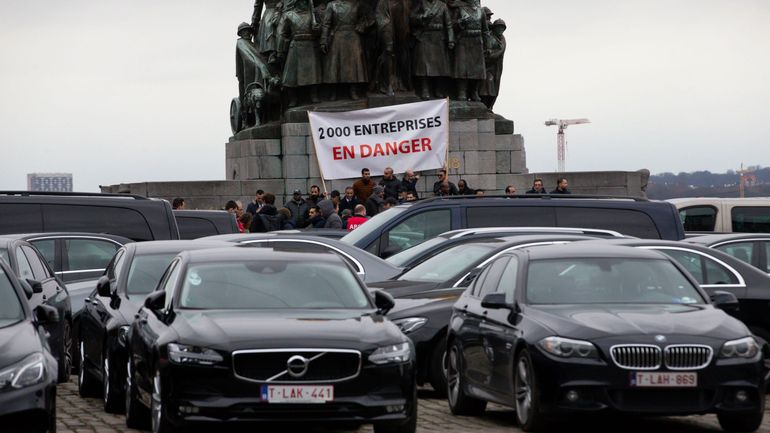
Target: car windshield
x=608 y=281
x=373 y=224
x=265 y=285
x=145 y=272
x=406 y=256
x=448 y=264
x=11 y=310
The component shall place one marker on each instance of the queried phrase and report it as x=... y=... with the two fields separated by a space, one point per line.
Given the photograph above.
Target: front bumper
x=27 y=408
x=604 y=386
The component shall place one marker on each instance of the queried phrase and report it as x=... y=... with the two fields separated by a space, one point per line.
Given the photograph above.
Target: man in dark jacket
x=561 y=186
x=314 y=197
x=391 y=184
x=333 y=221
x=259 y=201
x=316 y=219
x=443 y=186
x=362 y=188
x=537 y=187
x=375 y=201
x=349 y=201
x=268 y=219
x=409 y=183
x=299 y=209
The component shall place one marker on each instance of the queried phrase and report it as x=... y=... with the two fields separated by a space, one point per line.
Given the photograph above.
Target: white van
x=713 y=214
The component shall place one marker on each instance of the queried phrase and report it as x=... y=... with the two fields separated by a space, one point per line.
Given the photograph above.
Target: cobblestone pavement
x=79 y=415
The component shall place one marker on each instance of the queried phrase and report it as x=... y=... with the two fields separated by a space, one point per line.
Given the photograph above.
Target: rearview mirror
x=494 y=301
x=37 y=286
x=383 y=301
x=103 y=286
x=45 y=314
x=155 y=301
x=725 y=301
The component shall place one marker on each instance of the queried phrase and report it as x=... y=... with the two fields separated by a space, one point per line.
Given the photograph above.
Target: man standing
x=510 y=190
x=349 y=201
x=315 y=196
x=232 y=207
x=434 y=38
x=409 y=183
x=269 y=218
x=332 y=220
x=376 y=201
x=469 y=66
x=299 y=209
x=178 y=204
x=254 y=207
x=343 y=61
x=443 y=186
x=358 y=218
x=363 y=187
x=561 y=186
x=391 y=184
x=537 y=187
x=298 y=47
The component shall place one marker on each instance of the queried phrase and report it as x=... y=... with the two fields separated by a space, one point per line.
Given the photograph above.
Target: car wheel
x=526 y=393
x=741 y=422
x=137 y=416
x=65 y=353
x=110 y=386
x=407 y=426
x=459 y=402
x=437 y=372
x=87 y=385
x=160 y=423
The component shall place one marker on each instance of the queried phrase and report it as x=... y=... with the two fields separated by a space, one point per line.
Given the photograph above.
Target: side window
x=751 y=219
x=172 y=275
x=25 y=270
x=97 y=219
x=47 y=248
x=698 y=218
x=88 y=254
x=194 y=228
x=418 y=229
x=718 y=274
x=38 y=268
x=740 y=250
x=690 y=261
x=508 y=280
x=510 y=216
x=117 y=267
x=626 y=221
x=20 y=218
x=491 y=282
x=475 y=288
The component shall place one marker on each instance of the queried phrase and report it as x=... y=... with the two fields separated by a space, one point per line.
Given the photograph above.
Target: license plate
x=297 y=393
x=664 y=380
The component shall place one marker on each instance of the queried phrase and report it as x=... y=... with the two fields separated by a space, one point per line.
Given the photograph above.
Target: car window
x=718 y=274
x=475 y=288
x=751 y=219
x=4 y=255
x=510 y=216
x=417 y=229
x=407 y=256
x=88 y=254
x=97 y=219
x=740 y=250
x=194 y=228
x=373 y=225
x=508 y=280
x=170 y=283
x=698 y=218
x=38 y=268
x=119 y=262
x=20 y=218
x=704 y=269
x=303 y=246
x=626 y=221
x=490 y=283
x=146 y=271
x=25 y=269
x=449 y=263
x=47 y=248
x=767 y=256
x=11 y=310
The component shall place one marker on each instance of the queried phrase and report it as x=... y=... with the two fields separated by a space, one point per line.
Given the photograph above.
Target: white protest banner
x=408 y=136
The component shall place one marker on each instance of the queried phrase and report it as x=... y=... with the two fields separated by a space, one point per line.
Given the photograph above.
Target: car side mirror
x=725 y=301
x=383 y=301
x=45 y=314
x=155 y=301
x=495 y=301
x=27 y=289
x=37 y=286
x=103 y=286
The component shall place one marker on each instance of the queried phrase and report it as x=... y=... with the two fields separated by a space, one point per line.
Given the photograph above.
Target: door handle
x=94 y=302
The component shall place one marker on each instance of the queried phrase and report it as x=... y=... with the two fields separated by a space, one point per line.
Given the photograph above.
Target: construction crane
x=560 y=142
x=747 y=179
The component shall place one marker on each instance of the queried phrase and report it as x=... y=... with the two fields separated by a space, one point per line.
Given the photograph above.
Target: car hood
x=18 y=341
x=398 y=288
x=597 y=321
x=235 y=330
x=418 y=303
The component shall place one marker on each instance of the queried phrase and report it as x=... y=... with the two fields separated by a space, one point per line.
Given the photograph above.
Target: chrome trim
x=360 y=268
x=735 y=241
x=656 y=352
x=321 y=353
x=65 y=237
x=556 y=230
x=741 y=281
x=79 y=271
x=689 y=355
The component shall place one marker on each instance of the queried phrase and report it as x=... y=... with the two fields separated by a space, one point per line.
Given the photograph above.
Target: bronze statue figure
x=469 y=66
x=434 y=37
x=298 y=47
x=494 y=60
x=341 y=44
x=266 y=26
x=257 y=87
x=394 y=66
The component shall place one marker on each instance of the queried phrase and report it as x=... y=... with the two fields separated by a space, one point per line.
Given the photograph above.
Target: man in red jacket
x=358 y=218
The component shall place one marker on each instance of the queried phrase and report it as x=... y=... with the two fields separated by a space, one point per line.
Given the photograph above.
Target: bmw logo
x=660 y=338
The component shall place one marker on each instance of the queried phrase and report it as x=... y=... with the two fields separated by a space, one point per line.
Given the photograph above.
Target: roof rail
x=71 y=194
x=534 y=197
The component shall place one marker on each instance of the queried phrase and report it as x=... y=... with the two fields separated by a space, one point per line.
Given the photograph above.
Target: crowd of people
x=362 y=200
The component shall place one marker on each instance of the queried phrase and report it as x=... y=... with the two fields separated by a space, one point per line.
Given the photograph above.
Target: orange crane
x=560 y=142
x=747 y=178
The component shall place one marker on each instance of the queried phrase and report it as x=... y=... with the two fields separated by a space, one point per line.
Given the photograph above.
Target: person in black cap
x=299 y=209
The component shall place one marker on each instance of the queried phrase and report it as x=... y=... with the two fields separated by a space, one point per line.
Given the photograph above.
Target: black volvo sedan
x=259 y=334
x=589 y=328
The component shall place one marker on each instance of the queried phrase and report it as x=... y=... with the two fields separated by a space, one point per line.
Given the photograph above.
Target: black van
x=131 y=216
x=407 y=225
x=194 y=224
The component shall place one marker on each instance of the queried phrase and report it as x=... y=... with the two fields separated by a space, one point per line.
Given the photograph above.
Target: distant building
x=53 y=182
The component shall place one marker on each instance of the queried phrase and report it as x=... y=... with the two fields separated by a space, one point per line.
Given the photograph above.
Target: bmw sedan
x=590 y=328
x=248 y=335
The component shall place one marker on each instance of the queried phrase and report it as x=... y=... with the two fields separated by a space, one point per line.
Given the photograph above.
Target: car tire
x=65 y=352
x=459 y=402
x=50 y=425
x=437 y=369
x=137 y=416
x=409 y=425
x=111 y=386
x=158 y=418
x=88 y=386
x=526 y=393
x=740 y=422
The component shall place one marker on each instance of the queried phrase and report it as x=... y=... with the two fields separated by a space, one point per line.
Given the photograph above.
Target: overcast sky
x=126 y=91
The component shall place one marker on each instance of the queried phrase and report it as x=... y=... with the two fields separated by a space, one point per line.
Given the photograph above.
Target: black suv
x=194 y=224
x=407 y=225
x=132 y=216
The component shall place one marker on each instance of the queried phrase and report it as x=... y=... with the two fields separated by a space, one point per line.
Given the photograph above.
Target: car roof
x=717 y=238
x=459 y=233
x=593 y=250
x=160 y=247
x=238 y=254
x=31 y=236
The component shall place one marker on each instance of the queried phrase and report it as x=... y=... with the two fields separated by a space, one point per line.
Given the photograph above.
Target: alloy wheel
x=106 y=377
x=523 y=390
x=453 y=377
x=157 y=404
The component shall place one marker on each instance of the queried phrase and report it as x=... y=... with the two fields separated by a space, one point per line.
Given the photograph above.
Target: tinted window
x=508 y=280
x=10 y=307
x=117 y=267
x=740 y=250
x=510 y=216
x=170 y=283
x=47 y=248
x=704 y=269
x=767 y=257
x=406 y=256
x=146 y=271
x=490 y=284
x=448 y=263
x=88 y=254
x=4 y=255
x=751 y=219
x=418 y=229
x=628 y=222
x=374 y=224
x=194 y=228
x=38 y=268
x=475 y=288
x=20 y=218
x=100 y=219
x=608 y=280
x=25 y=269
x=272 y=285
x=698 y=218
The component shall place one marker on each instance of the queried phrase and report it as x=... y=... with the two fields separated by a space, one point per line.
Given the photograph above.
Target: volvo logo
x=297 y=366
x=660 y=338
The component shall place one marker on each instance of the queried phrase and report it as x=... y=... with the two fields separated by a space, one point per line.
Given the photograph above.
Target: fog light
x=741 y=397
x=394 y=409
x=572 y=396
x=188 y=410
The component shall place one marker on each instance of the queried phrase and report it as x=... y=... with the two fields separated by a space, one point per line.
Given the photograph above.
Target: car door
x=98 y=312
x=468 y=334
x=54 y=293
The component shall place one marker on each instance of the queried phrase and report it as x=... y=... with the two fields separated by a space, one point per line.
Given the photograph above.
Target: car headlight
x=192 y=355
x=393 y=353
x=568 y=348
x=410 y=324
x=29 y=371
x=743 y=348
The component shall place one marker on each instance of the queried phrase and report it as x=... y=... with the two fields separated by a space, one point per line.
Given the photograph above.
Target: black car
x=591 y=328
x=194 y=224
x=404 y=226
x=263 y=335
x=109 y=310
x=28 y=371
x=132 y=216
x=752 y=248
x=30 y=267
